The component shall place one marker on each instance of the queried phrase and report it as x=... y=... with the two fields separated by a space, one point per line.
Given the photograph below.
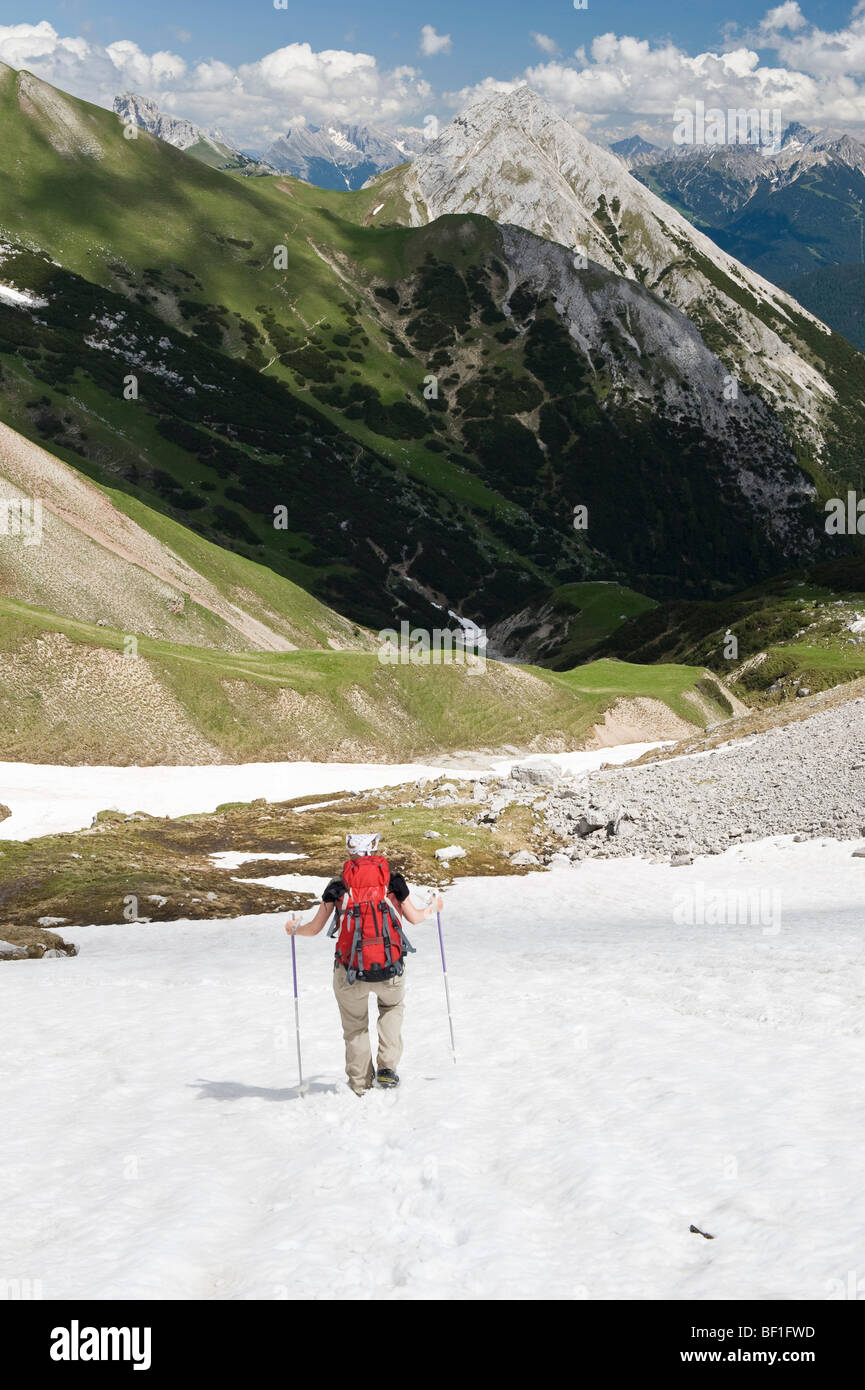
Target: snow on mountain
x=172 y=129
x=211 y=145
x=681 y=1073
x=341 y=155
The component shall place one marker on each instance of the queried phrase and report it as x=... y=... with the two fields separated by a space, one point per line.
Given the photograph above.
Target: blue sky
x=615 y=66
x=488 y=36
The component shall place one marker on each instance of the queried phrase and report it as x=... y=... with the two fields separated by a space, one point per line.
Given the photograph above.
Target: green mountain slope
x=836 y=294
x=104 y=557
x=803 y=631
x=282 y=340
x=69 y=693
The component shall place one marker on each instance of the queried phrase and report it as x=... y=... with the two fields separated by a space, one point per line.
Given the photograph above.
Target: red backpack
x=371 y=943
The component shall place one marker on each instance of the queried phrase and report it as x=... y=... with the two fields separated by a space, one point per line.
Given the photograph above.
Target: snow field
x=619 y=1078
x=46 y=799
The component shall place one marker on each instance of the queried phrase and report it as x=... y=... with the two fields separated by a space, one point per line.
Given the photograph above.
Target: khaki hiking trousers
x=353 y=1001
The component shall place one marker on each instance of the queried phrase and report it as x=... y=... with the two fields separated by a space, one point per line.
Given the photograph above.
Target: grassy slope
x=791 y=632
x=331 y=705
x=282 y=606
x=262 y=592
x=574 y=619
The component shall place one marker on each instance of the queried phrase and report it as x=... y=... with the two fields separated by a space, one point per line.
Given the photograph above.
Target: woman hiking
x=368 y=903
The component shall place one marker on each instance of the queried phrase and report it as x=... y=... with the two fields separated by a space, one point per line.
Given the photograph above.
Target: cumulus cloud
x=252 y=102
x=786 y=16
x=620 y=83
x=614 y=85
x=432 y=43
x=545 y=43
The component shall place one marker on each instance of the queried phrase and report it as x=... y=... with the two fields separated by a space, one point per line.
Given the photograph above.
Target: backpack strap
x=397 y=923
x=333 y=929
x=385 y=934
x=351 y=972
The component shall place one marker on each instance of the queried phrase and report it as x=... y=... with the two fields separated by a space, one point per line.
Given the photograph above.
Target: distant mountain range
x=339 y=156
x=796 y=216
x=210 y=147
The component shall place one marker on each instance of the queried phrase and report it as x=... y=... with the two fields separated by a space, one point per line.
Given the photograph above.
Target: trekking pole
x=296 y=1016
x=447 y=991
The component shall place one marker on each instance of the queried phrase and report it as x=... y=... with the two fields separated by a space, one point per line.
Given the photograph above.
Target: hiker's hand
x=435 y=904
x=292 y=925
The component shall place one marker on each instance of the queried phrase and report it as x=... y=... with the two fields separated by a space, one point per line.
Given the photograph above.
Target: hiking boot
x=386 y=1077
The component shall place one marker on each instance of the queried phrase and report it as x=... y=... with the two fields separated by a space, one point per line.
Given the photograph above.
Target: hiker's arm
x=295 y=927
x=420 y=914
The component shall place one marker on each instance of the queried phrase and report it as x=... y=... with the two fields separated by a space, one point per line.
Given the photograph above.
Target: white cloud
x=615 y=83
x=545 y=43
x=432 y=43
x=619 y=82
x=252 y=102
x=786 y=16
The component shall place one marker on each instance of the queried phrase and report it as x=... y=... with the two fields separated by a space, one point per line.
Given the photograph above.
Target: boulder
x=5 y=813
x=449 y=852
x=678 y=861
x=541 y=773
x=432 y=835
x=524 y=857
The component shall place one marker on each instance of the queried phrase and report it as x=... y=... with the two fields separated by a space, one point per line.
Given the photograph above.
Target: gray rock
x=678 y=861
x=801 y=774
x=5 y=813
x=449 y=852
x=432 y=835
x=541 y=773
x=524 y=857
x=560 y=861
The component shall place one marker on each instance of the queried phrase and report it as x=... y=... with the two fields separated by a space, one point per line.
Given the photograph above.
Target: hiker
x=368 y=903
